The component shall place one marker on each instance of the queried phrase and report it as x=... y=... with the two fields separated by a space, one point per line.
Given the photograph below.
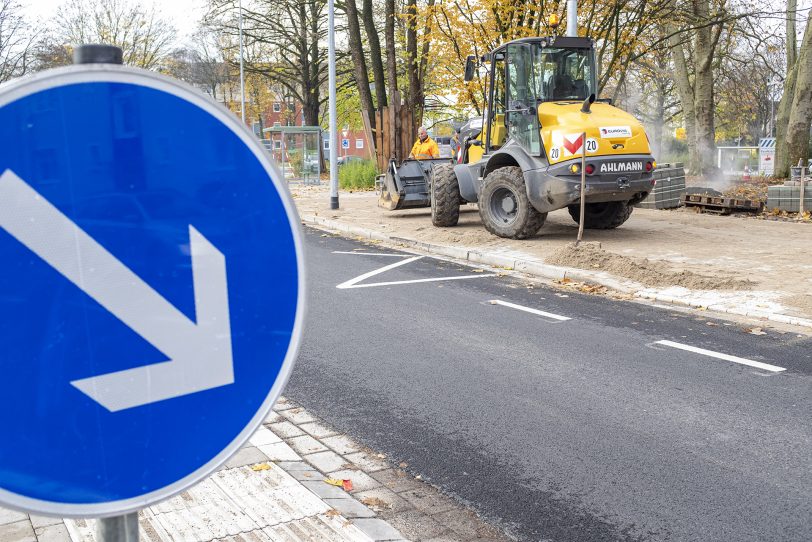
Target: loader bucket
x=407 y=186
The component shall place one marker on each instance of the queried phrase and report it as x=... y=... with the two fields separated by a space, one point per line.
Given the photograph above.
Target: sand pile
x=652 y=274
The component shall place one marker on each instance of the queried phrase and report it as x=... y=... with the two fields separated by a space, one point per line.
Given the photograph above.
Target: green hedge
x=357 y=175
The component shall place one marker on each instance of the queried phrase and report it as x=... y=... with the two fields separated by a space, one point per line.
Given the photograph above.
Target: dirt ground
x=656 y=248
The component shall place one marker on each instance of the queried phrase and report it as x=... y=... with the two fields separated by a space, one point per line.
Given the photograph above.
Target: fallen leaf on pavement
x=345 y=484
x=754 y=331
x=403 y=465
x=331 y=513
x=714 y=324
x=261 y=466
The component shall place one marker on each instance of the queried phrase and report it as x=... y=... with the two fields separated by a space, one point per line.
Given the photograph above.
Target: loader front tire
x=504 y=207
x=445 y=196
x=602 y=216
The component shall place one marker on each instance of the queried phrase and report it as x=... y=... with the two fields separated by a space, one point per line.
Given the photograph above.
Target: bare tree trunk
x=782 y=161
x=413 y=96
x=686 y=95
x=392 y=78
x=375 y=55
x=359 y=62
x=800 y=116
x=792 y=42
x=704 y=47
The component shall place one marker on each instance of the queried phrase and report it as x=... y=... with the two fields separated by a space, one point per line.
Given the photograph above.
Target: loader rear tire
x=504 y=207
x=602 y=216
x=445 y=196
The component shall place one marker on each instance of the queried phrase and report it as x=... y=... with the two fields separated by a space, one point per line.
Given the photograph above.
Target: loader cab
x=524 y=74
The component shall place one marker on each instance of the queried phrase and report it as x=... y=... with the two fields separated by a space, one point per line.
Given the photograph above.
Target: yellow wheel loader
x=541 y=116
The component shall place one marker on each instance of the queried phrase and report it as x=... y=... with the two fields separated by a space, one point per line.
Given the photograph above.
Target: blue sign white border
x=109 y=73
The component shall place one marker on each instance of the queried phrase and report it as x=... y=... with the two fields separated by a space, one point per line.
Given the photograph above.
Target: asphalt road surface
x=560 y=416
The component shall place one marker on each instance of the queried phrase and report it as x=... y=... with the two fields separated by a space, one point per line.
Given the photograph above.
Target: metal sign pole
x=331 y=42
x=803 y=182
x=583 y=189
x=118 y=528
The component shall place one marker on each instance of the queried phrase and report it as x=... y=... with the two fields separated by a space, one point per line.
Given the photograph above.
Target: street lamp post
x=242 y=72
x=331 y=48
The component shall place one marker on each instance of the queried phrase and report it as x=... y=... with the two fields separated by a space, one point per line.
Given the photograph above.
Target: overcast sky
x=184 y=14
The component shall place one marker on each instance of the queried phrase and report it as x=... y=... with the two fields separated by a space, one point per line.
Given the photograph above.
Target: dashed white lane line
x=530 y=310
x=354 y=283
x=726 y=357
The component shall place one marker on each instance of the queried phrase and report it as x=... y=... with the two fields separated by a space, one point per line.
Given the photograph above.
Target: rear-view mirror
x=470 y=67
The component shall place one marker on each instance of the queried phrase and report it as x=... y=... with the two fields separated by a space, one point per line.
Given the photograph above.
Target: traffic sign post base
x=333 y=202
x=118 y=528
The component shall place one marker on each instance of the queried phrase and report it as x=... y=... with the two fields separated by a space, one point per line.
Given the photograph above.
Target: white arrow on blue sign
x=151 y=296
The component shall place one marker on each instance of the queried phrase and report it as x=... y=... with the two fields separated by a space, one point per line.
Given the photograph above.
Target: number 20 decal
x=555 y=153
x=591 y=145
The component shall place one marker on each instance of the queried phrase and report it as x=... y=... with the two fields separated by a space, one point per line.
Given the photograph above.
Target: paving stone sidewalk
x=274 y=489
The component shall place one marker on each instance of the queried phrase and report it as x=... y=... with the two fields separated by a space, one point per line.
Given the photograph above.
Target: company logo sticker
x=616 y=131
x=621 y=167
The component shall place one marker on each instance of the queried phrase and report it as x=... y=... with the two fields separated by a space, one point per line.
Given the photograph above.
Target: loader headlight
x=575 y=168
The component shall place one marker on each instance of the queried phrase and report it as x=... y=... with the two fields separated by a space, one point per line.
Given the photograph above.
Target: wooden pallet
x=721 y=205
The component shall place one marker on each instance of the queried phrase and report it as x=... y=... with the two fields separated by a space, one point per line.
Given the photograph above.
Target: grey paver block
x=289 y=466
x=325 y=490
x=361 y=481
x=377 y=529
x=428 y=500
x=283 y=403
x=43 y=521
x=396 y=480
x=273 y=417
x=279 y=451
x=53 y=533
x=11 y=516
x=350 y=508
x=415 y=524
x=326 y=461
x=298 y=416
x=366 y=462
x=389 y=500
x=317 y=430
x=245 y=456
x=341 y=444
x=307 y=475
x=286 y=430
x=19 y=531
x=306 y=445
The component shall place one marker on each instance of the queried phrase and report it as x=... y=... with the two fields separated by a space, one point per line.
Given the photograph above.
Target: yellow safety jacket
x=423 y=150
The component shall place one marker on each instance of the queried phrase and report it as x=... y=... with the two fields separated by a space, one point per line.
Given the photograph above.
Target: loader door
x=521 y=117
x=495 y=123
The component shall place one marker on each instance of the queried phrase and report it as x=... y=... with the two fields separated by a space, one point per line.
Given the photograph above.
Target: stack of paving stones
x=788 y=197
x=382 y=493
x=669 y=189
x=384 y=504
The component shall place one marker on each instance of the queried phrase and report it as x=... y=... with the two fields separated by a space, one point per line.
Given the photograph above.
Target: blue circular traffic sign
x=151 y=292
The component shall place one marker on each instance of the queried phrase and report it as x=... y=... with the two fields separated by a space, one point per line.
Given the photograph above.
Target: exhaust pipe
x=572 y=18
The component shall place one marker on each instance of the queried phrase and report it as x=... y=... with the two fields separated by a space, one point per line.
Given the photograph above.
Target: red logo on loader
x=574 y=146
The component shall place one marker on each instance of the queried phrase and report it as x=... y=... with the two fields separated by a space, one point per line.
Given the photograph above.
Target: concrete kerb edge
x=552 y=272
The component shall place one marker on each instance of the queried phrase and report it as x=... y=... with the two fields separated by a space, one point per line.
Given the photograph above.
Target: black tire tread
x=513 y=176
x=620 y=213
x=445 y=196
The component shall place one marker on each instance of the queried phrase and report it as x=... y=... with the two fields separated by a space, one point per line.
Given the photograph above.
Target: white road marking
x=726 y=357
x=371 y=254
x=353 y=283
x=528 y=309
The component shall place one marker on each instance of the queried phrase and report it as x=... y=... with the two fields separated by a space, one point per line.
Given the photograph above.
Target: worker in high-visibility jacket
x=425 y=147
